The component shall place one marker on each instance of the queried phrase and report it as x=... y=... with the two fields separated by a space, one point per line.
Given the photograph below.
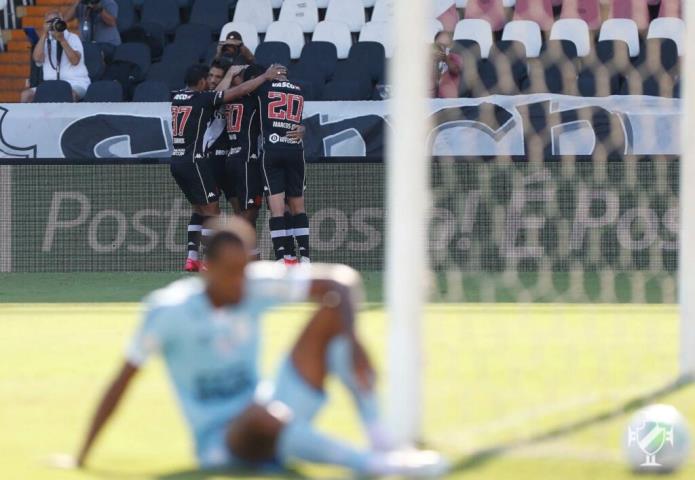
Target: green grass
x=512 y=391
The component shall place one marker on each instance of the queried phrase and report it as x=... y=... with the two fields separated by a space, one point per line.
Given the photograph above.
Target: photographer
x=234 y=50
x=98 y=23
x=60 y=54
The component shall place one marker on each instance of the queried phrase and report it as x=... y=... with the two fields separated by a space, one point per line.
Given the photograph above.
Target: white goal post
x=408 y=205
x=686 y=270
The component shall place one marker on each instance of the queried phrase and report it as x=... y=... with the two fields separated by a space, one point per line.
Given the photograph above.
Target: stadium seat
x=126 y=15
x=622 y=29
x=212 y=13
x=53 y=91
x=150 y=34
x=336 y=33
x=275 y=3
x=669 y=27
x=434 y=26
x=526 y=32
x=322 y=3
x=477 y=30
x=152 y=91
x=587 y=10
x=258 y=13
x=508 y=58
x=93 y=60
x=538 y=11
x=461 y=3
x=491 y=11
x=163 y=12
x=186 y=53
x=136 y=53
x=508 y=3
x=172 y=74
x=635 y=10
x=671 y=8
x=289 y=33
x=269 y=53
x=372 y=55
x=347 y=90
x=303 y=12
x=105 y=91
x=445 y=11
x=379 y=32
x=368 y=3
x=320 y=59
x=659 y=55
x=350 y=12
x=576 y=31
x=198 y=34
x=554 y=71
x=383 y=11
x=248 y=33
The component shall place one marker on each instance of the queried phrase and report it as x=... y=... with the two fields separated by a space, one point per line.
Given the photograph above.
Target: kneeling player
x=208 y=332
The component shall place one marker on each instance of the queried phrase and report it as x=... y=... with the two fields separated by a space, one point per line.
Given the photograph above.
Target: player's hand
x=63 y=461
x=276 y=72
x=297 y=132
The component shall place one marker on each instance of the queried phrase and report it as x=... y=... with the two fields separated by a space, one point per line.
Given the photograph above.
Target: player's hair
x=254 y=70
x=232 y=231
x=194 y=74
x=221 y=63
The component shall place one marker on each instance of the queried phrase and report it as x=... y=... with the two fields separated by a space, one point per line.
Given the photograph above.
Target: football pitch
x=512 y=391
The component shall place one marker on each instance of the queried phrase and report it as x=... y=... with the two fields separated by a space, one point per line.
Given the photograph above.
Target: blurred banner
x=537 y=126
x=572 y=231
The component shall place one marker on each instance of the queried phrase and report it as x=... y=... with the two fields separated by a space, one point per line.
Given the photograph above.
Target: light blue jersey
x=212 y=354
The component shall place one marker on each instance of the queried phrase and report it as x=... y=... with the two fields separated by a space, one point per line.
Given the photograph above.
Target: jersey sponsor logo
x=179 y=140
x=183 y=96
x=179 y=152
x=235 y=151
x=220 y=153
x=274 y=138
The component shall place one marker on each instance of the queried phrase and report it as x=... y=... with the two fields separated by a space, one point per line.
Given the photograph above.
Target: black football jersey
x=243 y=126
x=190 y=113
x=280 y=105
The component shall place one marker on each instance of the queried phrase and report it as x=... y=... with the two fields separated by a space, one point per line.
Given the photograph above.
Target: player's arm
x=275 y=72
x=108 y=404
x=226 y=81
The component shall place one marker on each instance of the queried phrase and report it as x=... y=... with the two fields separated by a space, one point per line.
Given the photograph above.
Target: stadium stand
x=319 y=36
x=152 y=91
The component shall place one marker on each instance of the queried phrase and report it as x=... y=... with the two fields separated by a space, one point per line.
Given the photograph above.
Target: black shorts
x=283 y=172
x=248 y=180
x=196 y=180
x=225 y=179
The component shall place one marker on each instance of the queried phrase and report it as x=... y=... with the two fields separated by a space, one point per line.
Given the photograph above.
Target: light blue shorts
x=289 y=388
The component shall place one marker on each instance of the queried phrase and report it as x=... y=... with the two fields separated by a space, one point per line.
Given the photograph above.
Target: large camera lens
x=59 y=25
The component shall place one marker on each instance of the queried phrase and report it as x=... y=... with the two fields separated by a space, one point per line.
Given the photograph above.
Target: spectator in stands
x=98 y=23
x=60 y=54
x=234 y=50
x=447 y=67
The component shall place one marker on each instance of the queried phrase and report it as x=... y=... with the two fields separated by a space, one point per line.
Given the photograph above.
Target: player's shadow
x=233 y=473
x=481 y=457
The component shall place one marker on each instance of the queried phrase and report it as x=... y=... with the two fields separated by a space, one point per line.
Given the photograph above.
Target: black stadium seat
x=93 y=60
x=170 y=73
x=136 y=53
x=104 y=91
x=163 y=12
x=186 y=53
x=212 y=13
x=347 y=90
x=372 y=55
x=319 y=57
x=126 y=15
x=53 y=91
x=268 y=53
x=194 y=33
x=152 y=91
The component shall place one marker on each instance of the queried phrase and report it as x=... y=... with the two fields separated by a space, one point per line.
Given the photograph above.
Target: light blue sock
x=300 y=441
x=340 y=364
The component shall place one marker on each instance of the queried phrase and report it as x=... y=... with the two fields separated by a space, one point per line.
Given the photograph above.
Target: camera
x=57 y=25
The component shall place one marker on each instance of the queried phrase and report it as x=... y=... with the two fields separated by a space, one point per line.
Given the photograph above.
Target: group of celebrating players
x=237 y=131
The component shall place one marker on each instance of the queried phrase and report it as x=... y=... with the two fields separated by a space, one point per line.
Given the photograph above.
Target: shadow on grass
x=232 y=473
x=481 y=457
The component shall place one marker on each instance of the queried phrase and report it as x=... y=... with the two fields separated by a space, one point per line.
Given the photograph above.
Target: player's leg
x=291 y=256
x=248 y=181
x=299 y=222
x=274 y=177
